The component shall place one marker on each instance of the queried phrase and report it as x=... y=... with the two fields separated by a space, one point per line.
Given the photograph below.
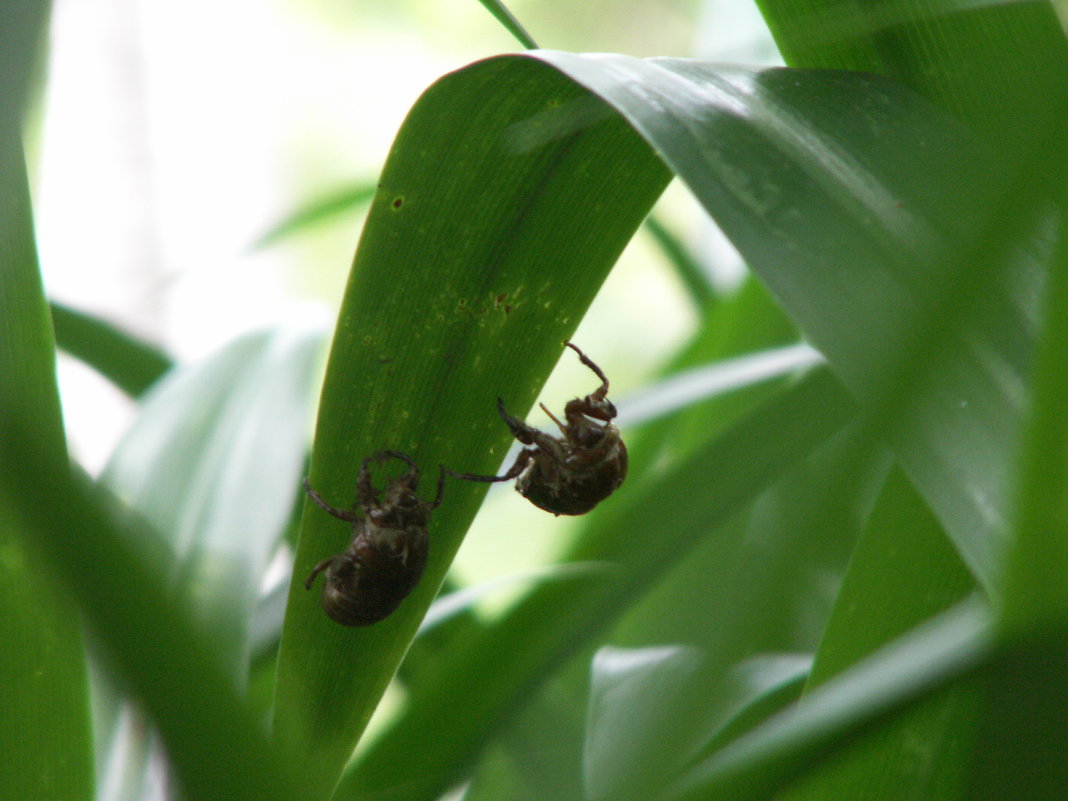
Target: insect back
x=388 y=553
x=572 y=473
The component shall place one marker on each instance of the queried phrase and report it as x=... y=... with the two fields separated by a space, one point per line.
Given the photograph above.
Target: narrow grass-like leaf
x=686 y=267
x=738 y=326
x=449 y=605
x=23 y=29
x=47 y=747
x=501 y=13
x=1035 y=593
x=687 y=387
x=341 y=202
x=129 y=363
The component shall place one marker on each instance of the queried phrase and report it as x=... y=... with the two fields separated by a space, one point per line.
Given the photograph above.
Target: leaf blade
x=500 y=256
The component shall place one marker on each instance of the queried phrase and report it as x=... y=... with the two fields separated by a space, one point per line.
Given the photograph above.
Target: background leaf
x=903 y=573
x=340 y=202
x=130 y=364
x=1024 y=720
x=212 y=462
x=146 y=632
x=951 y=648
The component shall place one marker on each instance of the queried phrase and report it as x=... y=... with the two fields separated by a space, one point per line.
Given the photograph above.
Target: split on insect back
x=571 y=474
x=389 y=547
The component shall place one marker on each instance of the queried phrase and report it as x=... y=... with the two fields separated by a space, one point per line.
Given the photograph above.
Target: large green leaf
x=494 y=226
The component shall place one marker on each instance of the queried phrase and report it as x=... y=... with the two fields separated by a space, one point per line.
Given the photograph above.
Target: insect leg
x=520 y=430
x=601 y=391
x=319 y=568
x=521 y=462
x=596 y=404
x=351 y=515
x=441 y=487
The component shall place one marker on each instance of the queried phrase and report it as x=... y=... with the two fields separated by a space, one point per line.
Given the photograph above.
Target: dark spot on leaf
x=397 y=202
